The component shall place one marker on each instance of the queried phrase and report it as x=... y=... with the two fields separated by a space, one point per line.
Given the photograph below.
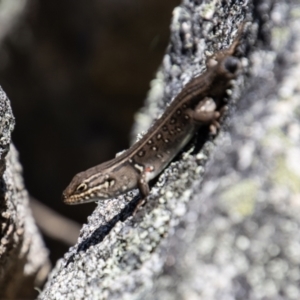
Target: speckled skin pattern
x=199 y=104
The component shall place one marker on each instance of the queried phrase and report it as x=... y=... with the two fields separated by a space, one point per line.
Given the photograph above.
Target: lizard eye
x=82 y=187
x=231 y=64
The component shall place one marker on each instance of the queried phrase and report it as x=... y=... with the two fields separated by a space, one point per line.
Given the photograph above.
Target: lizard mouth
x=69 y=200
x=66 y=199
x=75 y=201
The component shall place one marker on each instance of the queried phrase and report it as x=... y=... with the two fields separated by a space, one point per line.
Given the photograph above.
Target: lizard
x=199 y=103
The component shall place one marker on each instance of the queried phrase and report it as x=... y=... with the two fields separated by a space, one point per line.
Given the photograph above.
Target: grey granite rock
x=23 y=257
x=222 y=220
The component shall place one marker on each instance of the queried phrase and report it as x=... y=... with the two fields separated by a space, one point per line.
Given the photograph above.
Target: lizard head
x=225 y=63
x=89 y=186
x=225 y=66
x=230 y=65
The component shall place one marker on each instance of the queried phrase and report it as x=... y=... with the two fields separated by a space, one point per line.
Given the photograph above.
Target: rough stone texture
x=223 y=230
x=23 y=257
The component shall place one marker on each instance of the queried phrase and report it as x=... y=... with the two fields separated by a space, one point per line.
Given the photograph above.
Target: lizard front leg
x=205 y=113
x=144 y=190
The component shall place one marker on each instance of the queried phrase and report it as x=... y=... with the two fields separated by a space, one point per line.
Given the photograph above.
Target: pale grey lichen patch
x=280 y=38
x=206 y=10
x=239 y=199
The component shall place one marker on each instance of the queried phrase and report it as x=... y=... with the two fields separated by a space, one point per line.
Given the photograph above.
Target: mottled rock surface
x=23 y=257
x=226 y=229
